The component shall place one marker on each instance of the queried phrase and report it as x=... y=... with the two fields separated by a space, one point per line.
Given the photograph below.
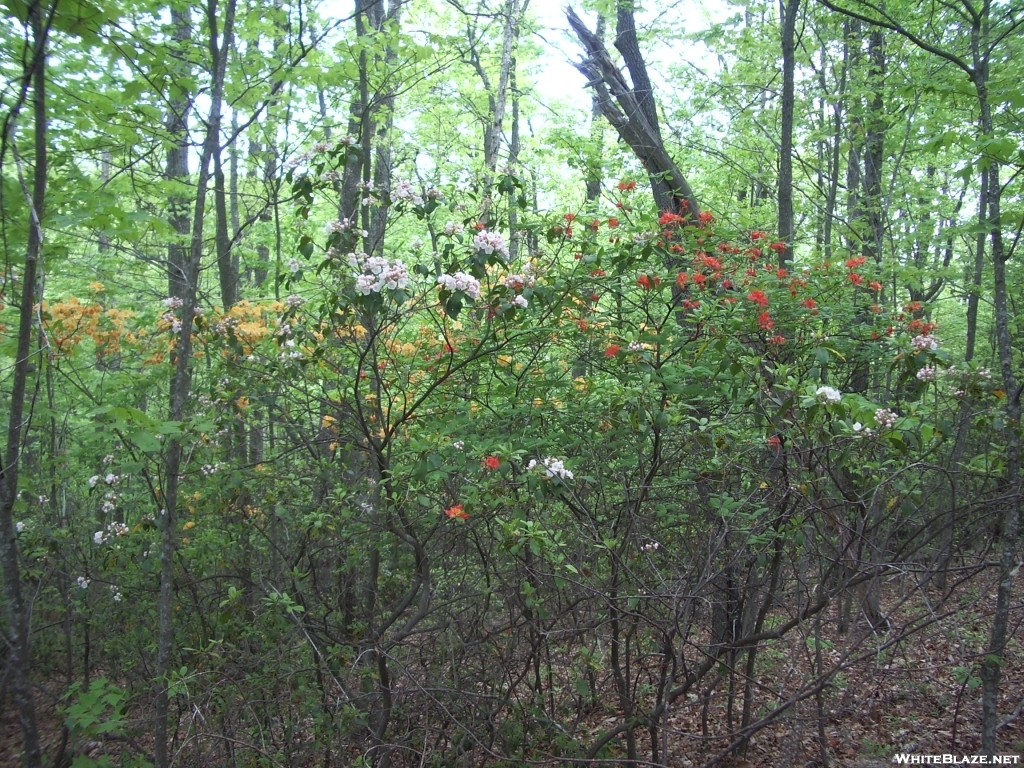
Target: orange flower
x=491 y=463
x=758 y=297
x=457 y=512
x=612 y=350
x=764 y=321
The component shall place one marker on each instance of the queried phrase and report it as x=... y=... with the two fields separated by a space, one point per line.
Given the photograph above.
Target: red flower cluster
x=612 y=350
x=648 y=283
x=668 y=218
x=765 y=322
x=457 y=512
x=758 y=297
x=491 y=463
x=627 y=186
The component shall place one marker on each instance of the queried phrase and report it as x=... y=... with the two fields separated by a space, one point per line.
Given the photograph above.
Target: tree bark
x=789 y=10
x=17 y=607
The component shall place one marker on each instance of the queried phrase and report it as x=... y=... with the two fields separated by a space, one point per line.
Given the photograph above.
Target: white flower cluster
x=451 y=229
x=83 y=582
x=403 y=190
x=460 y=281
x=223 y=327
x=886 y=418
x=924 y=343
x=20 y=527
x=294 y=265
x=552 y=468
x=458 y=445
x=650 y=547
x=928 y=373
x=210 y=469
x=375 y=273
x=828 y=394
x=636 y=346
x=116 y=592
x=173 y=302
x=338 y=226
x=490 y=242
x=294 y=301
x=111 y=531
x=520 y=301
x=860 y=429
x=109 y=479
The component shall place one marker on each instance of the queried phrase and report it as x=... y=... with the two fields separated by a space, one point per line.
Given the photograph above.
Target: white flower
x=552 y=468
x=520 y=301
x=83 y=582
x=294 y=265
x=451 y=229
x=857 y=427
x=828 y=394
x=924 y=343
x=458 y=445
x=886 y=418
x=173 y=302
x=20 y=527
x=490 y=242
x=295 y=301
x=928 y=373
x=93 y=480
x=99 y=537
x=460 y=281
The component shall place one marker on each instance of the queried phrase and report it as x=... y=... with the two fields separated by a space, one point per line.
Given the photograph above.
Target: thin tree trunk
x=18 y=608
x=181 y=382
x=786 y=227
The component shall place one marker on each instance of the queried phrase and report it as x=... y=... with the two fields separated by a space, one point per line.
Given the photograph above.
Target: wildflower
x=758 y=235
x=294 y=301
x=856 y=262
x=458 y=445
x=83 y=582
x=774 y=442
x=778 y=247
x=855 y=278
x=668 y=218
x=828 y=394
x=451 y=229
x=520 y=301
x=875 y=286
x=924 y=343
x=928 y=373
x=457 y=512
x=294 y=265
x=765 y=322
x=553 y=468
x=597 y=273
x=758 y=298
x=809 y=303
x=491 y=463
x=612 y=350
x=886 y=418
x=627 y=186
x=490 y=242
x=460 y=281
x=705 y=217
x=613 y=222
x=647 y=282
x=173 y=302
x=20 y=527
x=682 y=279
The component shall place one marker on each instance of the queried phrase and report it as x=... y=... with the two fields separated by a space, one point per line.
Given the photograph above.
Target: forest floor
x=918 y=695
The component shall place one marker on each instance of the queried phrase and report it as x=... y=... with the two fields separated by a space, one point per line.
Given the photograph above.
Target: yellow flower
x=189 y=525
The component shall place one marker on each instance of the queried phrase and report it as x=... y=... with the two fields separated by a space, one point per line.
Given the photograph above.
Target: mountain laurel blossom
x=490 y=242
x=460 y=281
x=924 y=343
x=377 y=273
x=828 y=394
x=886 y=418
x=553 y=468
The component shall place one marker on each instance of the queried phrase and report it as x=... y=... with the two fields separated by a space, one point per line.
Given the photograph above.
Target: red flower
x=765 y=322
x=457 y=512
x=875 y=286
x=777 y=247
x=914 y=306
x=810 y=303
x=855 y=278
x=758 y=297
x=668 y=218
x=757 y=234
x=777 y=339
x=595 y=224
x=755 y=253
x=705 y=217
x=774 y=442
x=691 y=304
x=876 y=308
x=627 y=186
x=597 y=273
x=781 y=274
x=700 y=279
x=491 y=463
x=855 y=262
x=570 y=217
x=613 y=222
x=647 y=282
x=612 y=350
x=681 y=279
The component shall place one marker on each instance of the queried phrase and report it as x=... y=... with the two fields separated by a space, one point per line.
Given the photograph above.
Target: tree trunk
x=18 y=608
x=181 y=382
x=786 y=226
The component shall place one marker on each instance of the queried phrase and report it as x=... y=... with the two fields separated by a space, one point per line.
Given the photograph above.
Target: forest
x=501 y=383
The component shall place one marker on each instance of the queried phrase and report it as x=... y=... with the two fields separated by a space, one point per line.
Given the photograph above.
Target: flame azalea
x=668 y=218
x=764 y=321
x=491 y=463
x=777 y=247
x=758 y=297
x=612 y=350
x=856 y=262
x=757 y=234
x=457 y=512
